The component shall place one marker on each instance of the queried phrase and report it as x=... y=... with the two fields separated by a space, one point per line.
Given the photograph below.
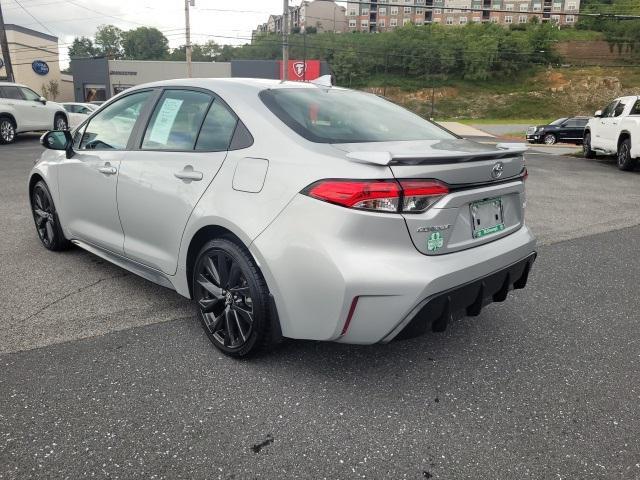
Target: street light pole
x=285 y=40
x=188 y=35
x=5 y=49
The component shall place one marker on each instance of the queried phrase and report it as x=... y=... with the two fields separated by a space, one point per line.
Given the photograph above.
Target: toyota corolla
x=289 y=209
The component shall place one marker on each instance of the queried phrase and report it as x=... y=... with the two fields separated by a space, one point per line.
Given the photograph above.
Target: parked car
x=615 y=131
x=78 y=112
x=23 y=110
x=566 y=130
x=289 y=209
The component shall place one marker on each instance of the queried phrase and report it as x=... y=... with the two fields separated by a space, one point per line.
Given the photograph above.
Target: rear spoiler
x=503 y=150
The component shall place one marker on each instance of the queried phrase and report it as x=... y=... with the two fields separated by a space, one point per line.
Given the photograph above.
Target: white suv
x=23 y=110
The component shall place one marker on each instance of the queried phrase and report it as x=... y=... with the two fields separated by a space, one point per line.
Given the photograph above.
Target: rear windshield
x=345 y=116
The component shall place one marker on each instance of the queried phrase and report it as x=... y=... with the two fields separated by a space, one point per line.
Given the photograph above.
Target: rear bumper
x=438 y=310
x=328 y=266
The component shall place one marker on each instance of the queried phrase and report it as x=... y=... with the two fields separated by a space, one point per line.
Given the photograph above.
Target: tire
x=7 y=131
x=60 y=122
x=549 y=139
x=586 y=146
x=624 y=160
x=232 y=299
x=46 y=219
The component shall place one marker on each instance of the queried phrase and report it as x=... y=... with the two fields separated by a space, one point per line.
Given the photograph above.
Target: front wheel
x=586 y=147
x=7 y=130
x=625 y=162
x=46 y=219
x=60 y=123
x=232 y=299
x=550 y=139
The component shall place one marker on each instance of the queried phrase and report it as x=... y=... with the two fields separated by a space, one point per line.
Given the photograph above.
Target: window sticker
x=164 y=120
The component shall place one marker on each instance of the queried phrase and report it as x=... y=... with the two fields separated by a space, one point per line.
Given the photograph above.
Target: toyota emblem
x=497 y=170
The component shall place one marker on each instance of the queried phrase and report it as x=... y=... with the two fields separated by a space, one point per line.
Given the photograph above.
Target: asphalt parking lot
x=105 y=375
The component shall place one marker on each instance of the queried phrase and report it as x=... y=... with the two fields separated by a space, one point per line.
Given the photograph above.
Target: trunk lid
x=486 y=199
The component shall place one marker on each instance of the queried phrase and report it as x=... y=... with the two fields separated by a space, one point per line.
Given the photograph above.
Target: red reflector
x=351 y=192
x=525 y=175
x=352 y=310
x=416 y=188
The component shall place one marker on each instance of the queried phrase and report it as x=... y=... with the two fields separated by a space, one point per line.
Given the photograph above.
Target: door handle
x=108 y=169
x=189 y=175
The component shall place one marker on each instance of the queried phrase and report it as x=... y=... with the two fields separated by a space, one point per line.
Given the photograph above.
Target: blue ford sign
x=40 y=67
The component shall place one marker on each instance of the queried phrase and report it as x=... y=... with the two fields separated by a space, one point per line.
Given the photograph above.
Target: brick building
x=384 y=15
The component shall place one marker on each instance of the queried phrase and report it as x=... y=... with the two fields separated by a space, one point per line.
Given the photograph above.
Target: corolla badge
x=497 y=170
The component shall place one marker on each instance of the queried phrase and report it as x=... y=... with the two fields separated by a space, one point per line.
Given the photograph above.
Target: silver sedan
x=289 y=209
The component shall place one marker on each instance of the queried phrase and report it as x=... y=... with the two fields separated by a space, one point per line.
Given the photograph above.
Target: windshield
x=558 y=121
x=346 y=116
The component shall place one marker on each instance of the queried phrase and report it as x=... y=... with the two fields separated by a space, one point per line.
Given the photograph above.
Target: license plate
x=486 y=217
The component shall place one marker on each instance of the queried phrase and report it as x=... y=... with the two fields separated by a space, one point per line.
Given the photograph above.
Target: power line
x=32 y=16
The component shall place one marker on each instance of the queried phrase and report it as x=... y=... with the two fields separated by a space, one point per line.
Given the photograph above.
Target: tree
x=145 y=43
x=109 y=40
x=53 y=89
x=82 y=47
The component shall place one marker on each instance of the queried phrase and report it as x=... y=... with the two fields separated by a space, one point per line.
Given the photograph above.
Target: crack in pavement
x=58 y=300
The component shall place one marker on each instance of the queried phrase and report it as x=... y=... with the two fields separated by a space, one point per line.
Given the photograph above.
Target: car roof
x=12 y=84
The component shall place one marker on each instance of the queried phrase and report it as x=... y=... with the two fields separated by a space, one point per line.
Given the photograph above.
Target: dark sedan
x=566 y=130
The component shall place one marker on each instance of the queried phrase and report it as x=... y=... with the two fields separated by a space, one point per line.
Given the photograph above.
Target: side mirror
x=598 y=114
x=43 y=100
x=58 y=140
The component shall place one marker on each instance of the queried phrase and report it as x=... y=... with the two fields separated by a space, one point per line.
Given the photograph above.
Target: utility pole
x=188 y=35
x=285 y=40
x=5 y=49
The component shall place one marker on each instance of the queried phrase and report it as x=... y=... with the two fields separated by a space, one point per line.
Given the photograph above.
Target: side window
x=29 y=94
x=217 y=129
x=12 y=93
x=111 y=128
x=619 y=109
x=636 y=108
x=609 y=109
x=176 y=120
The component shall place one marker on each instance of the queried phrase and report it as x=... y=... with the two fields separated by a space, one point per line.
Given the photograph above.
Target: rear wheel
x=60 y=122
x=46 y=219
x=586 y=147
x=550 y=139
x=232 y=299
x=7 y=130
x=625 y=162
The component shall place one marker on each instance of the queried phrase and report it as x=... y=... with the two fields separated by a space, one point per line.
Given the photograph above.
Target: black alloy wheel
x=232 y=298
x=46 y=219
x=625 y=162
x=586 y=146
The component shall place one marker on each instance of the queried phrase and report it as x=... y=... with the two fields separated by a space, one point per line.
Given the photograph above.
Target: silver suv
x=289 y=209
x=23 y=110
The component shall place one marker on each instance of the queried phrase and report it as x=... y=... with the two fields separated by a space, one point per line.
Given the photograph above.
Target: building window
x=352 y=23
x=522 y=19
x=352 y=12
x=394 y=10
x=419 y=11
x=407 y=9
x=365 y=11
x=364 y=23
x=476 y=19
x=571 y=6
x=557 y=7
x=405 y=21
x=508 y=19
x=437 y=11
x=381 y=23
x=524 y=7
x=393 y=22
x=382 y=10
x=494 y=19
x=463 y=20
x=509 y=7
x=449 y=20
x=555 y=18
x=537 y=7
x=569 y=19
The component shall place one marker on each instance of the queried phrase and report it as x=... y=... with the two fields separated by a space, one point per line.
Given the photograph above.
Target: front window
x=344 y=116
x=559 y=121
x=29 y=94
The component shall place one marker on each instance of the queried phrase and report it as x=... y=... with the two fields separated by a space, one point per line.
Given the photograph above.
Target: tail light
x=404 y=196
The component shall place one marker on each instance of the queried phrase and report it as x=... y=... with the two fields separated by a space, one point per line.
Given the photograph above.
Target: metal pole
x=304 y=55
x=5 y=49
x=188 y=35
x=285 y=42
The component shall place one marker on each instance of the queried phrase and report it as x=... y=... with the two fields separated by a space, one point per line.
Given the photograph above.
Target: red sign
x=300 y=70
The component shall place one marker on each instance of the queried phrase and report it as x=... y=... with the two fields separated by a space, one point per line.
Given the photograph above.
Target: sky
x=224 y=21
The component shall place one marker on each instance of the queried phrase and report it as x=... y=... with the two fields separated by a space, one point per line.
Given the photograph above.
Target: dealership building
x=98 y=79
x=35 y=61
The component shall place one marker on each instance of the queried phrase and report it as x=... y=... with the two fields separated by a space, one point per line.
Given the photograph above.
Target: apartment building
x=322 y=15
x=384 y=15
